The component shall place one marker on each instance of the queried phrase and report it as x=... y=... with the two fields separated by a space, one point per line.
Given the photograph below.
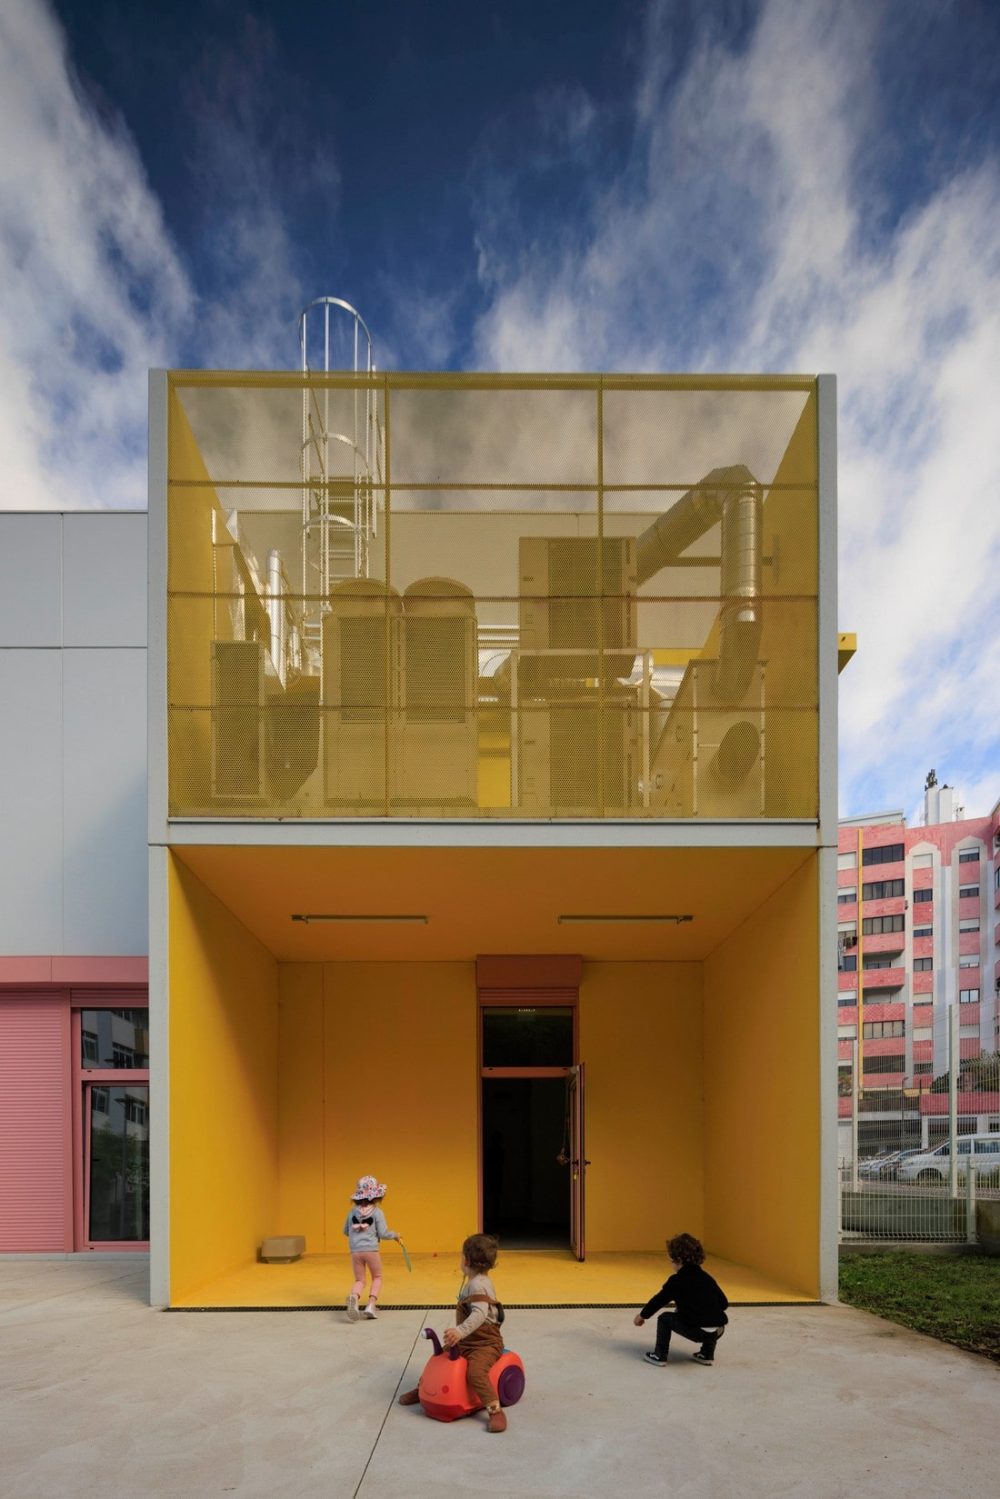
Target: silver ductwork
x=734 y=497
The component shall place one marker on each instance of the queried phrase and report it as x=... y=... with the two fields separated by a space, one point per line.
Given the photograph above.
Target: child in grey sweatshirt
x=365 y=1228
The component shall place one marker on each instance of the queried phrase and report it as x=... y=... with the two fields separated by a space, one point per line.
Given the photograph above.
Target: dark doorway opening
x=526 y=1192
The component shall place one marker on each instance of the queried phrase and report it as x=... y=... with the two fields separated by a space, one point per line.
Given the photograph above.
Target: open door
x=578 y=1161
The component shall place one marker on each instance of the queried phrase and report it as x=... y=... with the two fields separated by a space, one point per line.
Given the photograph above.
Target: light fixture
x=307 y=917
x=668 y=916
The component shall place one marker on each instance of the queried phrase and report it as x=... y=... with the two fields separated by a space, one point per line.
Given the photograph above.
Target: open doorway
x=528 y=1050
x=526 y=1189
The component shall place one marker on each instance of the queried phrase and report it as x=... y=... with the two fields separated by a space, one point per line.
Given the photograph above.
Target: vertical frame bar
x=159 y=1077
x=158 y=766
x=826 y=541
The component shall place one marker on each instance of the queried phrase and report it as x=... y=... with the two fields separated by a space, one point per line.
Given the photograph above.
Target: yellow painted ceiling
x=490 y=900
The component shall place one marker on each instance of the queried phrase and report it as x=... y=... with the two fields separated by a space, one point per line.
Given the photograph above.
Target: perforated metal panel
x=558 y=596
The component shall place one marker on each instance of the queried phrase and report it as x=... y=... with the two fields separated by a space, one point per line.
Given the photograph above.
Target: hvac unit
x=576 y=758
x=710 y=759
x=237 y=720
x=360 y=694
x=578 y=593
x=440 y=675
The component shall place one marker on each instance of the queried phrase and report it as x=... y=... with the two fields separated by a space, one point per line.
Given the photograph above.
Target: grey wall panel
x=30 y=802
x=104 y=776
x=30 y=589
x=104 y=579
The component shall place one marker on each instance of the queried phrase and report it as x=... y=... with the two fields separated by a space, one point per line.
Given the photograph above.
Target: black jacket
x=700 y=1300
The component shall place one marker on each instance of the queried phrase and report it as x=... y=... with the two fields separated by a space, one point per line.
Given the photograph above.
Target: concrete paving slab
x=100 y=1396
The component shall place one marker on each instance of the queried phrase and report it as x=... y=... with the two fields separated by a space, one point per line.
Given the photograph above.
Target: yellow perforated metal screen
x=492 y=596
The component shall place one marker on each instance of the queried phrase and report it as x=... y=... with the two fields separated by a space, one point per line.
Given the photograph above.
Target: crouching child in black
x=699 y=1301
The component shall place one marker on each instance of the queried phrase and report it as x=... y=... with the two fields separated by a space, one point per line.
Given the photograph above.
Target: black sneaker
x=654 y=1358
x=701 y=1358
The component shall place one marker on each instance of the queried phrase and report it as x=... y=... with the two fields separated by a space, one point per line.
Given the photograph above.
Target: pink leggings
x=371 y=1260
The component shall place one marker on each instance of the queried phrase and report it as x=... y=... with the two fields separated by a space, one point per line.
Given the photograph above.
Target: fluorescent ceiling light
x=670 y=916
x=339 y=916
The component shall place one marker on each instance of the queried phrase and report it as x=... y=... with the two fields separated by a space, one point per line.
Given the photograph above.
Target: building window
x=922 y=861
x=892 y=1063
x=970 y=960
x=883 y=889
x=922 y=895
x=968 y=856
x=847 y=1000
x=920 y=1068
x=878 y=1030
x=847 y=861
x=847 y=962
x=968 y=996
x=876 y=926
x=969 y=924
x=879 y=960
x=922 y=965
x=923 y=931
x=888 y=853
x=847 y=895
x=847 y=1033
x=968 y=892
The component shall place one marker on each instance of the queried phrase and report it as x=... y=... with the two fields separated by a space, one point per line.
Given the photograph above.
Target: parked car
x=889 y=1169
x=934 y=1166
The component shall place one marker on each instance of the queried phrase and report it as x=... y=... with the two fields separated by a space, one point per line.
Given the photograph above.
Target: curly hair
x=685 y=1249
x=480 y=1252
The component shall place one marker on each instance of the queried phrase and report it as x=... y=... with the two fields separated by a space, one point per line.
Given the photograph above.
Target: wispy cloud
x=96 y=288
x=93 y=286
x=739 y=236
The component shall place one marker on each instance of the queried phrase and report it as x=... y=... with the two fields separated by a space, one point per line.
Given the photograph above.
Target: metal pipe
x=276 y=611
x=732 y=496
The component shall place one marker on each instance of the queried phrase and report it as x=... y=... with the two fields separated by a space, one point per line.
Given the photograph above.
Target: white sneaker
x=352 y=1308
x=370 y=1311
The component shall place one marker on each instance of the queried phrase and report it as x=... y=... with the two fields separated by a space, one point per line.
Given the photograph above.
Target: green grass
x=954 y=1299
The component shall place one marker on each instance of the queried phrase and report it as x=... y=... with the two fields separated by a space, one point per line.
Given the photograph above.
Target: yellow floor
x=523 y=1277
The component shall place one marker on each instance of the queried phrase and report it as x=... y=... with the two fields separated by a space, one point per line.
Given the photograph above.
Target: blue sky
x=783 y=184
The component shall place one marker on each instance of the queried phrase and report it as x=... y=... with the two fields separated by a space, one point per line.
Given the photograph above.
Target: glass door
x=116 y=1164
x=112 y=1128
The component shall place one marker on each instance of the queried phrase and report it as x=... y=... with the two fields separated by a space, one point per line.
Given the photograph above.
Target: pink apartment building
x=918 y=933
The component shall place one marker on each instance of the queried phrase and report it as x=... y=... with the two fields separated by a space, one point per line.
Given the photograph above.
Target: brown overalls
x=481 y=1347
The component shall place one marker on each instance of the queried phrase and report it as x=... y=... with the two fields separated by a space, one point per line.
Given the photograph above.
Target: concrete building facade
x=917 y=940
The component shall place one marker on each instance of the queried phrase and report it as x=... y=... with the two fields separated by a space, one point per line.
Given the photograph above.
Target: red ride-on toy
x=444 y=1393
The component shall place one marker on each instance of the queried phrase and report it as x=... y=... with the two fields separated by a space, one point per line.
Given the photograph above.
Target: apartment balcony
x=493 y=597
x=884 y=942
x=883 y=978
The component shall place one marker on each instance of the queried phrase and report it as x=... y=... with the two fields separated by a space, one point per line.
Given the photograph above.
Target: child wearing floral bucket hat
x=365 y=1228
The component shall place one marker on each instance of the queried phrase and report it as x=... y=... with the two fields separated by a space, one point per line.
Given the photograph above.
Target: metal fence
x=914 y=1162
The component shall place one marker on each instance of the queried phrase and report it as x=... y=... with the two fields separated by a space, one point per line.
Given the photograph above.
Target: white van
x=934 y=1166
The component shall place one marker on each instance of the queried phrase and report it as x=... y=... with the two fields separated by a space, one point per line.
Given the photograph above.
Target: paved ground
x=101 y=1398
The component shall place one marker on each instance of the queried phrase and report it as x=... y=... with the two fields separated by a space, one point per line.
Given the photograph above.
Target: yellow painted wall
x=641 y=1042
x=762 y=1117
x=409 y=1116
x=223 y=1087
x=378 y=1074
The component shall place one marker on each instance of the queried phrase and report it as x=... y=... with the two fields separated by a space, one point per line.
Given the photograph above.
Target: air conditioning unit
x=578 y=593
x=577 y=759
x=710 y=760
x=238 y=762
x=439 y=757
x=360 y=695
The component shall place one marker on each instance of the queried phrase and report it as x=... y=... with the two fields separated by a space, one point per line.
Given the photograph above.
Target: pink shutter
x=36 y=1154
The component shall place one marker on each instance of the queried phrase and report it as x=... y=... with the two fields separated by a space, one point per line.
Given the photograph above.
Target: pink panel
x=35 y=1124
x=100 y=970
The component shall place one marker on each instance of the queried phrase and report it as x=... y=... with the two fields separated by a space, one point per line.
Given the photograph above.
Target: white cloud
x=94 y=291
x=738 y=240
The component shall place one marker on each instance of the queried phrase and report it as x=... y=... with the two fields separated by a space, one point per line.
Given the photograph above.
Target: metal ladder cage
x=342 y=471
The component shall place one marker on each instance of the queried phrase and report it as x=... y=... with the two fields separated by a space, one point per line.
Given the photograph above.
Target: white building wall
x=73 y=877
